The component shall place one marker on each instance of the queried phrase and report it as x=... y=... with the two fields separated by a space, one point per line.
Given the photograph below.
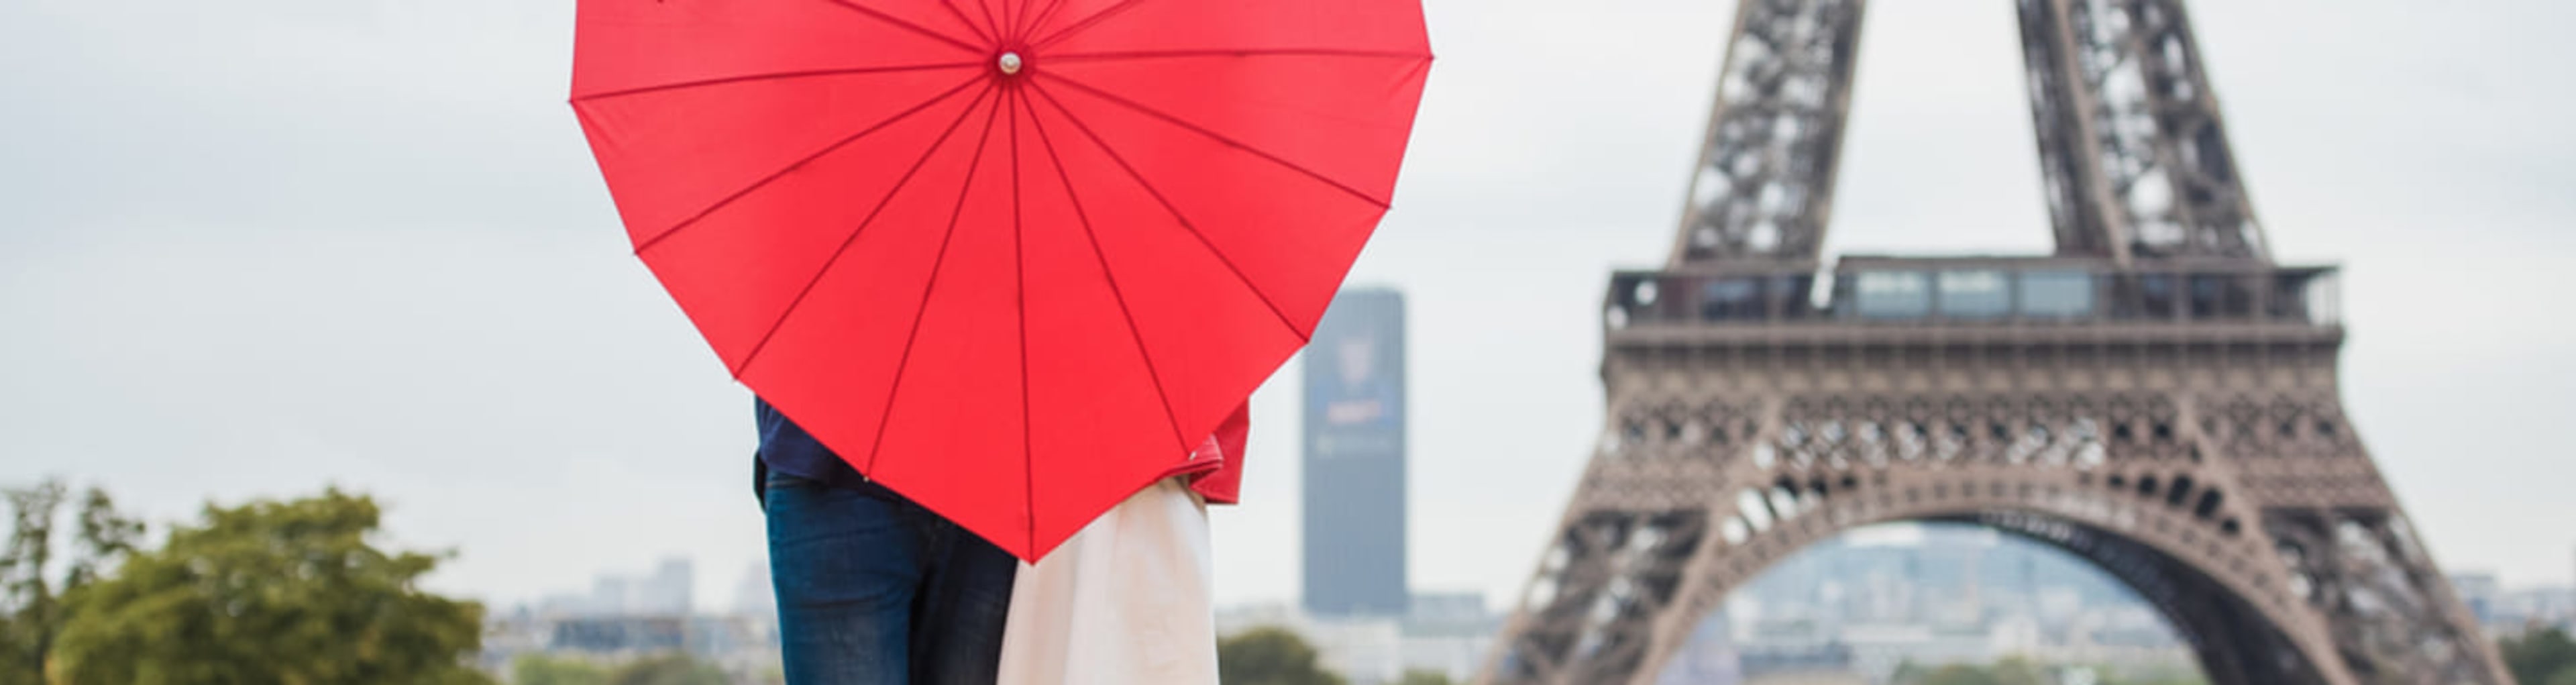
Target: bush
x=1270 y=656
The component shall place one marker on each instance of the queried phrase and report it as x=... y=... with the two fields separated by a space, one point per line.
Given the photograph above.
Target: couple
x=876 y=590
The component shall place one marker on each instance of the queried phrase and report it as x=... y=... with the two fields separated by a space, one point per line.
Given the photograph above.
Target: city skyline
x=414 y=287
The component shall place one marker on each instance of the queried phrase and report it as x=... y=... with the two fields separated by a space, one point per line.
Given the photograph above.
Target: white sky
x=254 y=247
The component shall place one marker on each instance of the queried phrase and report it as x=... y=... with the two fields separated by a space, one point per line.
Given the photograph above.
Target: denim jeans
x=875 y=590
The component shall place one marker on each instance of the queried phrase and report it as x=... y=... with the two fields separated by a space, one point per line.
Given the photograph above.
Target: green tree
x=668 y=670
x=1270 y=656
x=2014 y=670
x=2010 y=671
x=1424 y=678
x=1958 y=674
x=270 y=592
x=2178 y=675
x=2540 y=657
x=539 y=669
x=31 y=608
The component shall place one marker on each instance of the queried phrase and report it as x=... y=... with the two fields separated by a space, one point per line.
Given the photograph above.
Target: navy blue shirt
x=788 y=449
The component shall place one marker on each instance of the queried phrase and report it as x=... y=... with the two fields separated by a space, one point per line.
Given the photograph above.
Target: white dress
x=1126 y=601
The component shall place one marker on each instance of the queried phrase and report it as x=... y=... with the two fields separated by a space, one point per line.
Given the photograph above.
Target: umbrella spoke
x=777 y=76
x=938 y=265
x=986 y=7
x=1085 y=24
x=1092 y=236
x=1266 y=52
x=961 y=18
x=915 y=28
x=1036 y=20
x=1010 y=19
x=855 y=232
x=1219 y=137
x=1020 y=270
x=764 y=181
x=1175 y=210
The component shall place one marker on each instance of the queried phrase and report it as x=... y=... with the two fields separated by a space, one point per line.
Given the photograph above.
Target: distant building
x=1365 y=650
x=609 y=596
x=626 y=617
x=1864 y=603
x=670 y=591
x=1709 y=658
x=1445 y=633
x=2512 y=611
x=619 y=635
x=753 y=595
x=1355 y=458
x=564 y=604
x=1447 y=612
x=2480 y=591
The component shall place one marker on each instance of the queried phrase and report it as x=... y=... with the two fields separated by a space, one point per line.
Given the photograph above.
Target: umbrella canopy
x=1014 y=259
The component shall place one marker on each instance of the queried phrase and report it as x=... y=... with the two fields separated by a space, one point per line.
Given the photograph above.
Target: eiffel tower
x=2158 y=397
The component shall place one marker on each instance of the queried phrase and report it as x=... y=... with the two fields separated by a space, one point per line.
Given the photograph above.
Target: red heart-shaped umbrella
x=1012 y=258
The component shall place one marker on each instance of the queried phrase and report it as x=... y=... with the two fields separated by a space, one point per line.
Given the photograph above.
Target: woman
x=1129 y=598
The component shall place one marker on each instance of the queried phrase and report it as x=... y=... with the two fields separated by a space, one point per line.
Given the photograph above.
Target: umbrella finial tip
x=1010 y=63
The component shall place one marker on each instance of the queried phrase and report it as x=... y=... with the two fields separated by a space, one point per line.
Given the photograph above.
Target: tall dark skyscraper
x=1354 y=468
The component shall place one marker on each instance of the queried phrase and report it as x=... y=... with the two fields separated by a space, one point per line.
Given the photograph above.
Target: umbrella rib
x=1175 y=210
x=1219 y=137
x=782 y=172
x=1011 y=20
x=1116 y=292
x=961 y=18
x=939 y=265
x=986 y=6
x=915 y=28
x=774 y=76
x=853 y=238
x=1085 y=24
x=1036 y=20
x=1264 y=52
x=1020 y=267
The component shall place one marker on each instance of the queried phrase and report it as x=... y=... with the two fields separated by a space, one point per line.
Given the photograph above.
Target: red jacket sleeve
x=1224 y=484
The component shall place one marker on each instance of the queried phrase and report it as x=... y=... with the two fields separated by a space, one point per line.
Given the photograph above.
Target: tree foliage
x=538 y=669
x=2540 y=657
x=2010 y=671
x=31 y=608
x=1424 y=678
x=269 y=592
x=668 y=670
x=2020 y=671
x=2168 y=677
x=1270 y=656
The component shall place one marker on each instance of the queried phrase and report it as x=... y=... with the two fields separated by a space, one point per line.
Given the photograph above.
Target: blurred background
x=252 y=250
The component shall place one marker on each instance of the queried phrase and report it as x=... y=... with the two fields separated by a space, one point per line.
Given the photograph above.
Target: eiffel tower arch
x=2158 y=396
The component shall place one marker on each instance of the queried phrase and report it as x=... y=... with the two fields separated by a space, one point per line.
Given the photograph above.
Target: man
x=872 y=588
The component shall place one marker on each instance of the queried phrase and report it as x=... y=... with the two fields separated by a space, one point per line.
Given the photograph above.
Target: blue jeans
x=875 y=590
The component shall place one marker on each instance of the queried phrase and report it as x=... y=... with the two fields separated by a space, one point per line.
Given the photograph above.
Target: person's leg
x=846 y=564
x=959 y=617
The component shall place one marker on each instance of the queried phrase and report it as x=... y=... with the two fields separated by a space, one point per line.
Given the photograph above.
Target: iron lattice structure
x=2158 y=397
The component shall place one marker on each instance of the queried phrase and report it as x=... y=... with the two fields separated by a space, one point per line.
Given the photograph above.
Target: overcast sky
x=254 y=247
